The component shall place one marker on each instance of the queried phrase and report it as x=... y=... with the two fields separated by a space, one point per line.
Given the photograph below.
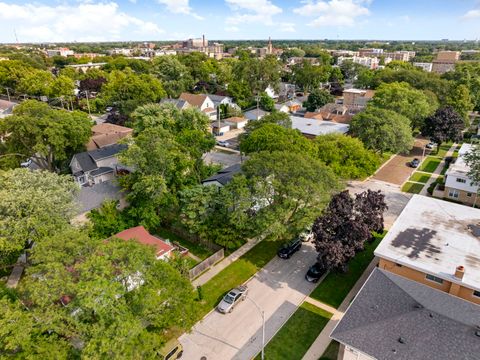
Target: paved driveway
x=279 y=288
x=396 y=171
x=223 y=158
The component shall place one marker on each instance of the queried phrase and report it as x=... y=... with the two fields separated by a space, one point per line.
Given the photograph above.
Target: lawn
x=442 y=150
x=419 y=177
x=298 y=334
x=412 y=188
x=335 y=287
x=237 y=273
x=430 y=164
x=332 y=351
x=195 y=248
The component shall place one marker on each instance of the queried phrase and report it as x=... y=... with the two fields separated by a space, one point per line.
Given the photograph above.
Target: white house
x=312 y=127
x=236 y=122
x=202 y=102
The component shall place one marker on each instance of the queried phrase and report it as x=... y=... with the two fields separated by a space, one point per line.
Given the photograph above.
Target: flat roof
x=317 y=127
x=459 y=166
x=435 y=236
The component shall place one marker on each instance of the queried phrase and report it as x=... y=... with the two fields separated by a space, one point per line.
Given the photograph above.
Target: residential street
x=279 y=288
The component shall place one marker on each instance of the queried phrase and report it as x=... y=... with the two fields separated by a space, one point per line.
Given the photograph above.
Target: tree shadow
x=418 y=241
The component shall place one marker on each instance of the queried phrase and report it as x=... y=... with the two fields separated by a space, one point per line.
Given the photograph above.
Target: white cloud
x=71 y=22
x=180 y=7
x=252 y=11
x=333 y=12
x=472 y=14
x=286 y=27
x=232 y=29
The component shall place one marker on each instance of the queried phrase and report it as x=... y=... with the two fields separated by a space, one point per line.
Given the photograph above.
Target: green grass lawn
x=196 y=249
x=430 y=164
x=237 y=273
x=419 y=177
x=412 y=188
x=332 y=351
x=298 y=334
x=335 y=287
x=442 y=150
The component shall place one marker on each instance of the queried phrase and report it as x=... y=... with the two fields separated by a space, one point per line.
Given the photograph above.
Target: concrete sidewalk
x=215 y=269
x=323 y=340
x=437 y=171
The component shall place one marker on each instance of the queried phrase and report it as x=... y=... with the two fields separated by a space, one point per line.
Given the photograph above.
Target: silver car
x=232 y=298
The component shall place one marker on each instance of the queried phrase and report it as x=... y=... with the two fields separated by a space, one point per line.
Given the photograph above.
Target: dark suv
x=287 y=250
x=314 y=273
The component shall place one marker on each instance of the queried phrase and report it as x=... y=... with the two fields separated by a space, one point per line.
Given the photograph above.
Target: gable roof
x=224 y=176
x=87 y=159
x=254 y=114
x=235 y=119
x=196 y=100
x=179 y=103
x=396 y=318
x=140 y=234
x=218 y=98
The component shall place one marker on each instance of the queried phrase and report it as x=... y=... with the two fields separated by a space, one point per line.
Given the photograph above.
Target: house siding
x=462 y=195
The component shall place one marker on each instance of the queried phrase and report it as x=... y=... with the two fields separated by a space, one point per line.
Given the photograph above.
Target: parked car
x=26 y=164
x=223 y=143
x=431 y=145
x=414 y=163
x=306 y=235
x=172 y=350
x=232 y=298
x=314 y=273
x=288 y=249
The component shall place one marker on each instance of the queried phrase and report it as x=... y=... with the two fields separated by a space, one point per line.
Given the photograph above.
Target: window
x=434 y=278
x=453 y=193
x=463 y=181
x=399 y=265
x=171 y=353
x=476 y=293
x=469 y=194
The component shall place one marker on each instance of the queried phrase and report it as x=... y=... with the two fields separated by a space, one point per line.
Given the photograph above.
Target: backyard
x=296 y=336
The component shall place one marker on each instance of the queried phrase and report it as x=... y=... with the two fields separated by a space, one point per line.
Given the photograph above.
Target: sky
x=111 y=20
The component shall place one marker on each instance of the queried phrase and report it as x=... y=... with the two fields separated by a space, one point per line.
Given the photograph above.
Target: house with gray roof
x=396 y=318
x=179 y=103
x=96 y=166
x=224 y=176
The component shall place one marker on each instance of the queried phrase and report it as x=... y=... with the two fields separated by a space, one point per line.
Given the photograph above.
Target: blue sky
x=109 y=20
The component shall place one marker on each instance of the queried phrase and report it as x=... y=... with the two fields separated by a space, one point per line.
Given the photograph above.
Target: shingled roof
x=395 y=318
x=224 y=176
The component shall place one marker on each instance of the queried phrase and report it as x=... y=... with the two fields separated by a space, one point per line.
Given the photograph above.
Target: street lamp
x=263 y=324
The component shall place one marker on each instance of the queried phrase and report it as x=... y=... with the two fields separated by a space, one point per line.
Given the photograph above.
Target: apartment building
x=422 y=302
x=425 y=66
x=445 y=61
x=356 y=99
x=369 y=62
x=458 y=186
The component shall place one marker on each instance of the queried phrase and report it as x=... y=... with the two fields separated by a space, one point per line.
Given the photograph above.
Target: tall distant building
x=445 y=61
x=269 y=46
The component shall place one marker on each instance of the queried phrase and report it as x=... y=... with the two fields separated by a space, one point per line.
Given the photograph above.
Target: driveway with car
x=279 y=288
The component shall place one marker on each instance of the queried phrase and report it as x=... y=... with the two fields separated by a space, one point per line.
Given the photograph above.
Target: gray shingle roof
x=101 y=170
x=87 y=159
x=430 y=323
x=226 y=175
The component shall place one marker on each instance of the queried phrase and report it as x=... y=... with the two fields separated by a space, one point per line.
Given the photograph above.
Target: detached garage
x=236 y=122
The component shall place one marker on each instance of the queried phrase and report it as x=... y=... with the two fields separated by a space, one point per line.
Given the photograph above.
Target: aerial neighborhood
x=239 y=199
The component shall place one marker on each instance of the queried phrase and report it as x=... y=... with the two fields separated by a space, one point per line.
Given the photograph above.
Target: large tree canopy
x=174 y=75
x=318 y=98
x=405 y=100
x=445 y=125
x=33 y=204
x=346 y=156
x=382 y=130
x=48 y=136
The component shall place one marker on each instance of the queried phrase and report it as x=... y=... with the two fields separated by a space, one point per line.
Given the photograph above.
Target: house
x=255 y=114
x=105 y=134
x=393 y=317
x=282 y=108
x=164 y=250
x=223 y=100
x=6 y=108
x=312 y=128
x=223 y=177
x=435 y=243
x=202 y=102
x=96 y=166
x=356 y=99
x=178 y=103
x=286 y=92
x=236 y=122
x=293 y=105
x=425 y=66
x=220 y=128
x=458 y=186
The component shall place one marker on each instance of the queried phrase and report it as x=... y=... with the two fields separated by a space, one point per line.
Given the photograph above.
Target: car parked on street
x=431 y=145
x=231 y=299
x=172 y=350
x=314 y=273
x=288 y=249
x=223 y=143
x=414 y=163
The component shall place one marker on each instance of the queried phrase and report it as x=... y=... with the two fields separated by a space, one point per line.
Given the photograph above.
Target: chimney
x=459 y=272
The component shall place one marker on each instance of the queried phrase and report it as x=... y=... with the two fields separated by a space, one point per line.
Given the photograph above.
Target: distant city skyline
x=135 y=20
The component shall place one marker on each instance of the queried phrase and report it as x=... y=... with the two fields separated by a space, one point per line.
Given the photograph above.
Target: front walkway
x=323 y=340
x=437 y=171
x=215 y=269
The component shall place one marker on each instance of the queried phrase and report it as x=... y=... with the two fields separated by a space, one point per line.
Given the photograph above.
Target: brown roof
x=343 y=119
x=313 y=115
x=140 y=234
x=107 y=128
x=235 y=119
x=107 y=134
x=193 y=99
x=369 y=94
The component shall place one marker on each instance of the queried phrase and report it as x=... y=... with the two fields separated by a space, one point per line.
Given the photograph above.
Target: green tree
x=47 y=136
x=459 y=99
x=309 y=77
x=174 y=75
x=62 y=86
x=318 y=98
x=33 y=204
x=272 y=137
x=277 y=117
x=126 y=91
x=36 y=83
x=382 y=130
x=266 y=102
x=405 y=100
x=346 y=156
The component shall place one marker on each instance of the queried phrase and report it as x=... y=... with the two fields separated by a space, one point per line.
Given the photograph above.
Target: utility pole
x=8 y=94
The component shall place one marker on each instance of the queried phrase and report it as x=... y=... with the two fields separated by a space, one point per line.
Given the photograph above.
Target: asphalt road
x=279 y=288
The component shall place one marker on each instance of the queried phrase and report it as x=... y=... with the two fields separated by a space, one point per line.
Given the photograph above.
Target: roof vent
x=418 y=306
x=401 y=340
x=474 y=229
x=431 y=315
